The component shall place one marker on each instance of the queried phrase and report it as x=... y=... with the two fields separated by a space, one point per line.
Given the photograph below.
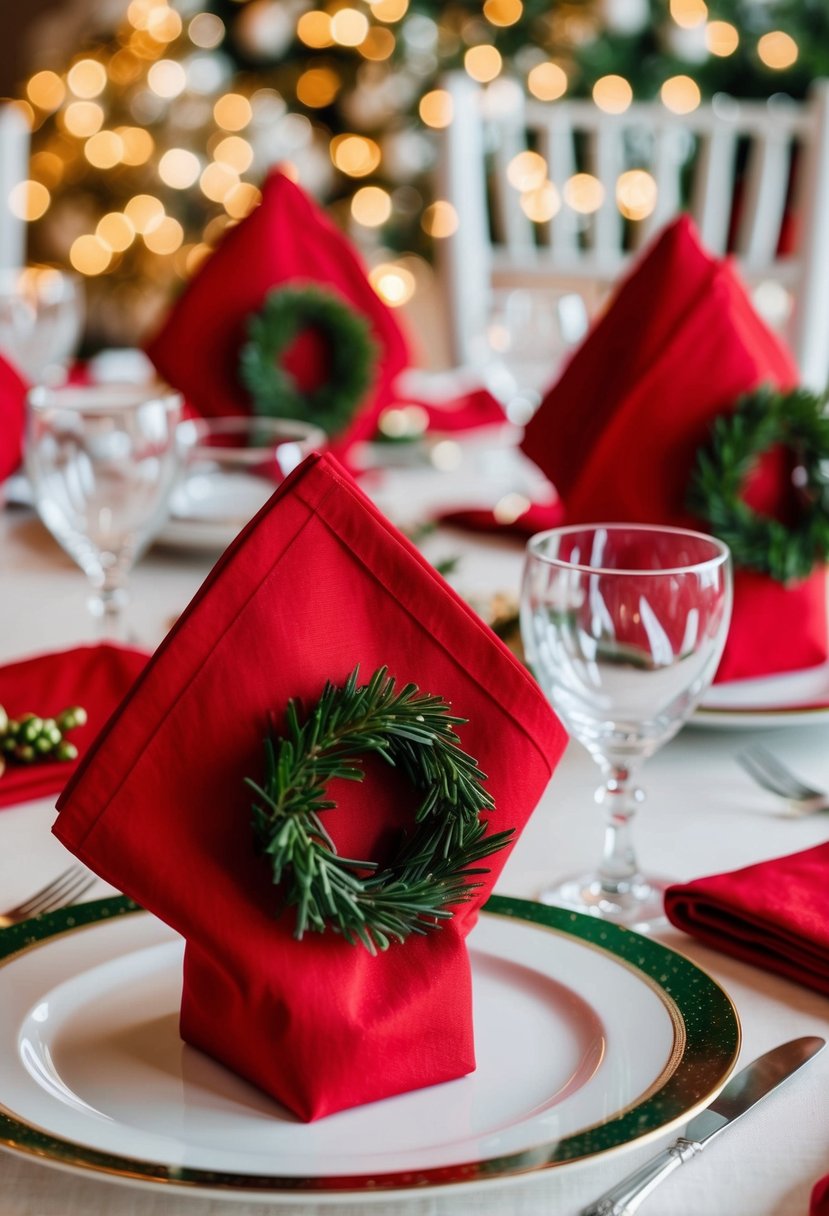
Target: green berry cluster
x=29 y=738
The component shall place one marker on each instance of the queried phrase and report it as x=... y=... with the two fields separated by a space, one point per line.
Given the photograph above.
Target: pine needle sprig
x=436 y=866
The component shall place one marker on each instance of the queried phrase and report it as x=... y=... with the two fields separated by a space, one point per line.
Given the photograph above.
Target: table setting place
x=404 y=807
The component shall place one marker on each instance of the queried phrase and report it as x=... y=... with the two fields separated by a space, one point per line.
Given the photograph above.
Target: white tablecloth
x=702 y=815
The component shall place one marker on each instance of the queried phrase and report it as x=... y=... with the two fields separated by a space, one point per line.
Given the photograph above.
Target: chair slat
x=763 y=200
x=713 y=188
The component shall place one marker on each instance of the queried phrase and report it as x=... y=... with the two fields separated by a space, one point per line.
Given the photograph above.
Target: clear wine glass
x=102 y=461
x=623 y=626
x=41 y=319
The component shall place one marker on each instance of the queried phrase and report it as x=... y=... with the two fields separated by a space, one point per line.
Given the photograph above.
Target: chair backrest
x=754 y=175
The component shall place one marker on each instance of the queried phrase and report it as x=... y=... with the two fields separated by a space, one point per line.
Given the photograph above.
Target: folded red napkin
x=467 y=411
x=12 y=418
x=286 y=239
x=96 y=677
x=618 y=433
x=819 y=1202
x=317 y=583
x=773 y=914
x=536 y=517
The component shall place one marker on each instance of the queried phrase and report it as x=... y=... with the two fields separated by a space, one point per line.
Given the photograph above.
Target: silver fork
x=773 y=775
x=69 y=886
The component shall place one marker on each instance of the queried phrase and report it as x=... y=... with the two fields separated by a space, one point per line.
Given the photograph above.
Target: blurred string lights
x=149 y=145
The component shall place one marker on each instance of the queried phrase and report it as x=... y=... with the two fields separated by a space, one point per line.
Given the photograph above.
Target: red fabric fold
x=318 y=582
x=96 y=677
x=286 y=239
x=536 y=518
x=819 y=1201
x=618 y=433
x=773 y=914
x=12 y=418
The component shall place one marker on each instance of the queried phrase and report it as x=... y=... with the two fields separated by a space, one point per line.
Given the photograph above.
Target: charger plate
x=794 y=698
x=590 y=1039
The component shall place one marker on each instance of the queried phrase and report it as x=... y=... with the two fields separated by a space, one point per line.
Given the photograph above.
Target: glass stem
x=107 y=605
x=619 y=870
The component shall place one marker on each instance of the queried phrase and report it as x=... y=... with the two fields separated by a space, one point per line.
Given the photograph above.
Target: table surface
x=701 y=815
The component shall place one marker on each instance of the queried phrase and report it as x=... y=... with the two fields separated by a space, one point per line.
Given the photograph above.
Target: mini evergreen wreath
x=761 y=420
x=431 y=870
x=351 y=356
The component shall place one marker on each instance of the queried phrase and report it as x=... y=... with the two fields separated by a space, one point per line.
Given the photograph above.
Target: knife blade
x=745 y=1089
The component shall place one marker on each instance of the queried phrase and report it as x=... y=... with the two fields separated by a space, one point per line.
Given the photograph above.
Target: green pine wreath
x=760 y=421
x=351 y=356
x=434 y=867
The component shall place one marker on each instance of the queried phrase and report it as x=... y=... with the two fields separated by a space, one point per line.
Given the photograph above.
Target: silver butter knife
x=743 y=1091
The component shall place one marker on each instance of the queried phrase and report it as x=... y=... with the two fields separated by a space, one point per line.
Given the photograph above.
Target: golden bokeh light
x=104 y=150
x=483 y=63
x=777 y=50
x=542 y=203
x=124 y=68
x=389 y=10
x=378 y=44
x=317 y=87
x=196 y=257
x=116 y=231
x=547 y=81
x=217 y=181
x=721 y=38
x=216 y=228
x=87 y=78
x=29 y=200
x=206 y=31
x=145 y=212
x=164 y=24
x=165 y=237
x=232 y=112
x=46 y=167
x=503 y=12
x=167 y=78
x=234 y=151
x=527 y=171
x=680 y=94
x=83 y=118
x=89 y=255
x=636 y=193
x=584 y=193
x=371 y=206
x=314 y=29
x=138 y=144
x=689 y=13
x=179 y=168
x=241 y=200
x=46 y=90
x=440 y=220
x=394 y=284
x=349 y=27
x=435 y=108
x=355 y=155
x=613 y=94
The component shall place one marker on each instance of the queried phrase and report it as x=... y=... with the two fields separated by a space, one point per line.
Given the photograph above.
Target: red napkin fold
x=96 y=677
x=773 y=914
x=286 y=239
x=819 y=1202
x=318 y=582
x=618 y=433
x=12 y=418
x=537 y=517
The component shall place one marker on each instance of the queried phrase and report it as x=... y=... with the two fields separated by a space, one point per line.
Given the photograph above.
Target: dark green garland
x=414 y=891
x=287 y=312
x=761 y=420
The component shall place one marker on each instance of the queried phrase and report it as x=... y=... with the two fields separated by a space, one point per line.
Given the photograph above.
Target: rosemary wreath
x=761 y=420
x=351 y=355
x=435 y=864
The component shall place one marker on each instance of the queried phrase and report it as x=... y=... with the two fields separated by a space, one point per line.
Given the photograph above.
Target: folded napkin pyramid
x=773 y=914
x=619 y=432
x=317 y=583
x=95 y=677
x=12 y=418
x=287 y=239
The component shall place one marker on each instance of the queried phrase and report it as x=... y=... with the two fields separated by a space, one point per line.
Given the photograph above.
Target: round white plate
x=791 y=699
x=208 y=511
x=589 y=1038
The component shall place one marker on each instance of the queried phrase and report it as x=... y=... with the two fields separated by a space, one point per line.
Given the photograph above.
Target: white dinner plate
x=589 y=1039
x=791 y=699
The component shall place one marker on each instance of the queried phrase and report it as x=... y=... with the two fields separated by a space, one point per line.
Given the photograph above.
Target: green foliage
x=434 y=865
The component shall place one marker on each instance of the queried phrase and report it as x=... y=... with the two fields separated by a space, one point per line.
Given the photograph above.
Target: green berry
x=66 y=751
x=4 y=720
x=74 y=716
x=42 y=745
x=30 y=729
x=24 y=752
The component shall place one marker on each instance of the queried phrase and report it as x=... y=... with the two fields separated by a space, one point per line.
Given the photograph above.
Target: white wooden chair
x=741 y=169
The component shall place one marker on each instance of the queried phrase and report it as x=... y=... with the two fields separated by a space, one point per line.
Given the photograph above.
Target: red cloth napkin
x=468 y=411
x=287 y=238
x=819 y=1203
x=96 y=677
x=618 y=433
x=318 y=582
x=537 y=517
x=12 y=418
x=774 y=914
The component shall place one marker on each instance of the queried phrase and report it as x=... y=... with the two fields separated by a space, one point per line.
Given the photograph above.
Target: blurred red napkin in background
x=285 y=239
x=96 y=677
x=318 y=582
x=819 y=1203
x=12 y=419
x=536 y=517
x=774 y=914
x=618 y=433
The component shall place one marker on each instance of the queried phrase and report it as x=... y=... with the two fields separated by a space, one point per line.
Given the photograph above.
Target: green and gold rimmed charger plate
x=589 y=1039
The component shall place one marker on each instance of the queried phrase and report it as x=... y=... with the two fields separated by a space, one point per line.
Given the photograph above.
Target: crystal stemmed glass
x=41 y=319
x=623 y=626
x=102 y=461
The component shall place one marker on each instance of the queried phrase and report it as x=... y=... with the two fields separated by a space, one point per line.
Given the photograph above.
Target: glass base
x=640 y=906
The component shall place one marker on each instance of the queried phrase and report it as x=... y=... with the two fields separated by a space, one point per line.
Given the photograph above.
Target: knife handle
x=624 y=1198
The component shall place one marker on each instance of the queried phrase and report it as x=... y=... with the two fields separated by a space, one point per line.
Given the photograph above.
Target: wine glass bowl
x=623 y=626
x=102 y=461
x=41 y=319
